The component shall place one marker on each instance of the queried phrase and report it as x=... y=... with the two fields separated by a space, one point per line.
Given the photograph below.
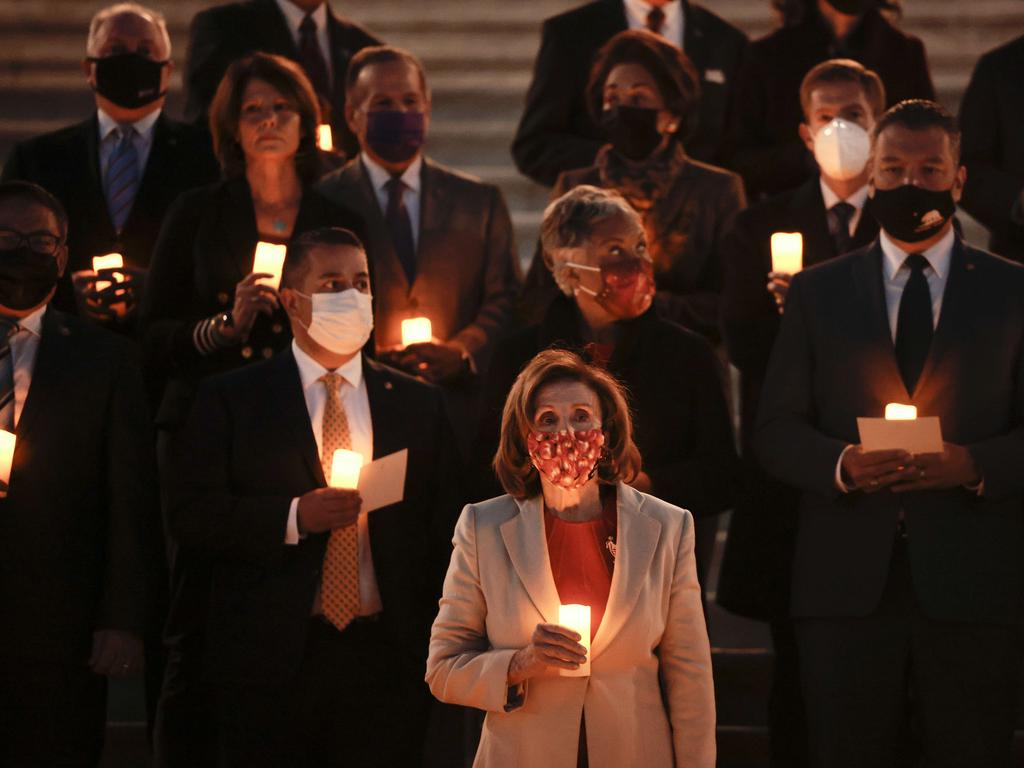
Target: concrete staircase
x=478 y=56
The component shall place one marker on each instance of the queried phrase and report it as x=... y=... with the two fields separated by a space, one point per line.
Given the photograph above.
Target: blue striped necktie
x=122 y=179
x=7 y=329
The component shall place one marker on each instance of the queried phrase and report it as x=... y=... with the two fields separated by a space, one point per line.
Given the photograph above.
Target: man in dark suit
x=439 y=242
x=556 y=132
x=306 y=31
x=766 y=150
x=118 y=172
x=991 y=115
x=319 y=613
x=77 y=509
x=841 y=102
x=907 y=573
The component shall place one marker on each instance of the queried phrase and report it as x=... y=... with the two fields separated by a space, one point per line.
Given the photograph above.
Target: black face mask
x=849 y=7
x=912 y=214
x=26 y=277
x=128 y=79
x=632 y=131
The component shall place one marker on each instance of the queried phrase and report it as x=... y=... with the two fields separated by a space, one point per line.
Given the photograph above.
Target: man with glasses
x=77 y=511
x=117 y=172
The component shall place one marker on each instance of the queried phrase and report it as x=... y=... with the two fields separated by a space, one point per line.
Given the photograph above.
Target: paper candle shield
x=269 y=258
x=901 y=429
x=787 y=252
x=576 y=618
x=416 y=330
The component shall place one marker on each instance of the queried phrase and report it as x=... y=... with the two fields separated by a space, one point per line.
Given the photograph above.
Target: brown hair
x=381 y=54
x=621 y=460
x=844 y=71
x=919 y=115
x=226 y=108
x=671 y=69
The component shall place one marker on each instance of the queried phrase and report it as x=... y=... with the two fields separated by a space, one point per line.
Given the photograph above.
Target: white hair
x=103 y=15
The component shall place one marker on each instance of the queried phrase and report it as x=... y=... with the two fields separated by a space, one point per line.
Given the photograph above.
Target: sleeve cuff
x=291 y=534
x=843 y=487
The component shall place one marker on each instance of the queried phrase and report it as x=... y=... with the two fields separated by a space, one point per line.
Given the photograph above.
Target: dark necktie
x=122 y=180
x=656 y=20
x=914 y=325
x=7 y=329
x=400 y=227
x=312 y=58
x=842 y=212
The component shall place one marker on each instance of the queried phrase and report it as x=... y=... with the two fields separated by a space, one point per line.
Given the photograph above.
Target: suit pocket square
x=714 y=76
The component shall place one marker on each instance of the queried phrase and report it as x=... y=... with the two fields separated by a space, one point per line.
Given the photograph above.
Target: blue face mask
x=394 y=136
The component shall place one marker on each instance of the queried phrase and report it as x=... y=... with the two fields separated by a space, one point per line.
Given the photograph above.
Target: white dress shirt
x=142 y=140
x=671 y=30
x=858 y=199
x=411 y=196
x=895 y=274
x=357 y=408
x=24 y=347
x=293 y=16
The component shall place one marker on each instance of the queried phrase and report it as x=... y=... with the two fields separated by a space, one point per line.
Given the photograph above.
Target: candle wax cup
x=269 y=258
x=787 y=252
x=576 y=618
x=416 y=330
x=345 y=466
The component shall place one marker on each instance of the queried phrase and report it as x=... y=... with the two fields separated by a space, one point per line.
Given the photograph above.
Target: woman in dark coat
x=594 y=243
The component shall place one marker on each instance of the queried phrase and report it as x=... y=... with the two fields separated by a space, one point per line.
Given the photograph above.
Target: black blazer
x=249 y=450
x=556 y=132
x=67 y=164
x=78 y=528
x=675 y=392
x=992 y=148
x=205 y=248
x=224 y=33
x=834 y=361
x=767 y=150
x=758 y=554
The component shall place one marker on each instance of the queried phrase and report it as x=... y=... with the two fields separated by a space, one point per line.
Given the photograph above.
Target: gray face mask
x=342 y=321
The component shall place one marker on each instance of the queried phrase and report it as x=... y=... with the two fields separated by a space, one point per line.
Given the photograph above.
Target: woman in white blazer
x=571 y=531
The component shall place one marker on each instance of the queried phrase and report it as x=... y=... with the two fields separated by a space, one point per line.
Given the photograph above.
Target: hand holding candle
x=7 y=443
x=553 y=650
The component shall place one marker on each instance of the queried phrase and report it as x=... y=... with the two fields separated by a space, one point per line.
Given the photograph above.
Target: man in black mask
x=439 y=242
x=908 y=573
x=117 y=172
x=77 y=502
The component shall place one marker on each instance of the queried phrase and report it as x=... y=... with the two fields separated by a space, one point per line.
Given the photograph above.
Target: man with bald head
x=118 y=171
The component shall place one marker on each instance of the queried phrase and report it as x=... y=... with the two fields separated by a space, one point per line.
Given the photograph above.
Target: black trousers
x=51 y=716
x=957 y=683
x=354 y=705
x=786 y=718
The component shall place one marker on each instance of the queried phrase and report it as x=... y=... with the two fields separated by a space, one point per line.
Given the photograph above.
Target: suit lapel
x=341 y=54
x=433 y=216
x=527 y=547
x=89 y=152
x=871 y=297
x=290 y=407
x=952 y=315
x=54 y=362
x=239 y=218
x=808 y=208
x=637 y=538
x=277 y=37
x=387 y=430
x=384 y=264
x=694 y=42
x=154 y=174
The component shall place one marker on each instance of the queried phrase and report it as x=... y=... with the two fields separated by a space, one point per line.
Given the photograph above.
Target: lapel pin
x=65 y=331
x=388 y=385
x=970 y=266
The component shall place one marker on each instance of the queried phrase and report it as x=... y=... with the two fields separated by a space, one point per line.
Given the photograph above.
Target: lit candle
x=900 y=412
x=787 y=252
x=345 y=466
x=416 y=330
x=577 y=618
x=7 y=441
x=269 y=258
x=324 y=140
x=110 y=261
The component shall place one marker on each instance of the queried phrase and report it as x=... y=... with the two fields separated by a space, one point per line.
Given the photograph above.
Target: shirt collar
x=638 y=9
x=294 y=15
x=310 y=370
x=857 y=199
x=33 y=323
x=939 y=255
x=379 y=176
x=143 y=127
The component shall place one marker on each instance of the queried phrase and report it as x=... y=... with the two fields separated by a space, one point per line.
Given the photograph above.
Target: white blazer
x=649 y=700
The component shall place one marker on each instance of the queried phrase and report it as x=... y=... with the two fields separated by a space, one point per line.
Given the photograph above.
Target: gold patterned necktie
x=339 y=586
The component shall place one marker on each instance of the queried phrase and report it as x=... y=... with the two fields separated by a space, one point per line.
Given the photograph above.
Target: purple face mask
x=395 y=136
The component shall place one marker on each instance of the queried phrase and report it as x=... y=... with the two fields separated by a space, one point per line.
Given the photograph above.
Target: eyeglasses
x=44 y=243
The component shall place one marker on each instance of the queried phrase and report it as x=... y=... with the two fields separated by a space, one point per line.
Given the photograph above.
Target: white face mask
x=841 y=149
x=342 y=321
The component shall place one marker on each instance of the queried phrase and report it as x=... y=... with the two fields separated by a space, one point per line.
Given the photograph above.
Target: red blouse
x=582 y=560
